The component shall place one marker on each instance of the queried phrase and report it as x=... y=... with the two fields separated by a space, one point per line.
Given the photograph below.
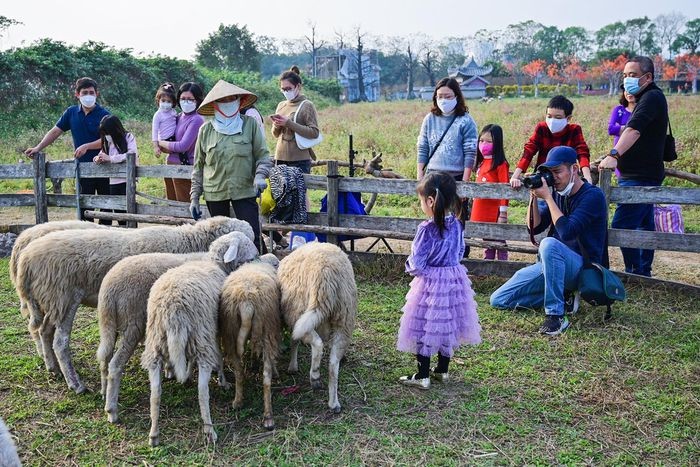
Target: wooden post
x=131 y=188
x=605 y=182
x=41 y=206
x=333 y=185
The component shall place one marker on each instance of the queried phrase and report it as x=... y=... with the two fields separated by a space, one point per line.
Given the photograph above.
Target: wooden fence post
x=41 y=204
x=131 y=188
x=605 y=182
x=332 y=199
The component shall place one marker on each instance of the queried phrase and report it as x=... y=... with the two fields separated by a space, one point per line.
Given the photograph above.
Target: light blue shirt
x=457 y=151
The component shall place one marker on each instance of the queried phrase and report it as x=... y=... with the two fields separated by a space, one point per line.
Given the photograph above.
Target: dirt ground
x=668 y=265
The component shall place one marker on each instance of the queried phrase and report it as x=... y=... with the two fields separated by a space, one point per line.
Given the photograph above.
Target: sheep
x=319 y=303
x=121 y=310
x=182 y=327
x=249 y=307
x=28 y=236
x=8 y=451
x=62 y=269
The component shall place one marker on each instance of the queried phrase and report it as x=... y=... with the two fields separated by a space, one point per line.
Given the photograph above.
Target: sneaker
x=554 y=325
x=442 y=377
x=572 y=302
x=420 y=383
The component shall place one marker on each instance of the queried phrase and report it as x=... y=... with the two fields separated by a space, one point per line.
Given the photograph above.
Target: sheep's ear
x=232 y=252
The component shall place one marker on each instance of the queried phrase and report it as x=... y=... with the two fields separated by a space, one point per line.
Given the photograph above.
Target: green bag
x=599 y=286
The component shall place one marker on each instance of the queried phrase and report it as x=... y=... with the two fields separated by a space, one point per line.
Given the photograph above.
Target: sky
x=174 y=27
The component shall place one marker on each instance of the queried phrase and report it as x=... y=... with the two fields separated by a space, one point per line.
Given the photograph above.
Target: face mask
x=188 y=106
x=486 y=149
x=631 y=85
x=555 y=125
x=291 y=94
x=227 y=120
x=165 y=106
x=228 y=109
x=87 y=100
x=447 y=105
x=567 y=190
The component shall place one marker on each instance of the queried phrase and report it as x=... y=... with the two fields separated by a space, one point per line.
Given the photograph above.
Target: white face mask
x=447 y=105
x=188 y=106
x=291 y=94
x=87 y=100
x=165 y=106
x=228 y=109
x=567 y=190
x=227 y=119
x=555 y=125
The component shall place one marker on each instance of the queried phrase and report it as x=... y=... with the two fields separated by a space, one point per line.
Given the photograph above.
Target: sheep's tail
x=177 y=345
x=306 y=323
x=108 y=339
x=246 y=312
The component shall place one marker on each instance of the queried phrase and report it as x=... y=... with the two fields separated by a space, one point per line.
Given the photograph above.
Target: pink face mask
x=486 y=148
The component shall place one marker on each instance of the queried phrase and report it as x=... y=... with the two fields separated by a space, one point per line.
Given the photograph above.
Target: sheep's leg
x=338 y=346
x=221 y=376
x=293 y=351
x=268 y=421
x=61 y=344
x=203 y=390
x=24 y=310
x=238 y=375
x=314 y=340
x=154 y=377
x=121 y=357
x=46 y=334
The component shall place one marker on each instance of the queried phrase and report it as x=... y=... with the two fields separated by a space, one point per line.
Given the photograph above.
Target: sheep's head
x=232 y=250
x=270 y=259
x=221 y=225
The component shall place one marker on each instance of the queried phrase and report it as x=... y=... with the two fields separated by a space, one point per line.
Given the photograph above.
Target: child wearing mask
x=165 y=118
x=556 y=130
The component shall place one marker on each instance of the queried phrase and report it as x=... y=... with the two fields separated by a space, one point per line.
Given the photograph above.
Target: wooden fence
x=333 y=223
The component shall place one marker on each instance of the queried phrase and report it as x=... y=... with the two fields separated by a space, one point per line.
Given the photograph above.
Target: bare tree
x=428 y=58
x=339 y=39
x=668 y=26
x=360 y=36
x=313 y=45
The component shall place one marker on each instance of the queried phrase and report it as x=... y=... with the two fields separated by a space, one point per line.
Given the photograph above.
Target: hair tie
x=437 y=193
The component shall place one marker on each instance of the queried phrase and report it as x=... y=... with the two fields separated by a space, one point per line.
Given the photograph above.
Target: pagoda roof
x=471 y=68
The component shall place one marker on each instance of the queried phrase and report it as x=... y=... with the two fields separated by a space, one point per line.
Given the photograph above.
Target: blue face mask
x=631 y=85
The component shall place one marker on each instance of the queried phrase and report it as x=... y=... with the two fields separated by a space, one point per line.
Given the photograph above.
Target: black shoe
x=554 y=325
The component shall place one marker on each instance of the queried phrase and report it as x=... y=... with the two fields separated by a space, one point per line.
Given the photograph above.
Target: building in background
x=343 y=66
x=470 y=77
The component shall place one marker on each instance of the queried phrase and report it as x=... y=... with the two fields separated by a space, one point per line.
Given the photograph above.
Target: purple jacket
x=618 y=118
x=185 y=137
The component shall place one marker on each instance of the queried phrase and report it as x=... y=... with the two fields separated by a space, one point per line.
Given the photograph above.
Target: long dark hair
x=461 y=107
x=112 y=126
x=499 y=154
x=443 y=188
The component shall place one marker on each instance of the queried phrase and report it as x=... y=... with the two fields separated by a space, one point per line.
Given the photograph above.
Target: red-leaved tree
x=535 y=70
x=611 y=70
x=573 y=72
x=690 y=64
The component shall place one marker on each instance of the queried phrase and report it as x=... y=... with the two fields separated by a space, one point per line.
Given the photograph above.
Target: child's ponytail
x=443 y=189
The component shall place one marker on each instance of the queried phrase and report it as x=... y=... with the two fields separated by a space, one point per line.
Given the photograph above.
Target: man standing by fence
x=575 y=212
x=638 y=155
x=83 y=121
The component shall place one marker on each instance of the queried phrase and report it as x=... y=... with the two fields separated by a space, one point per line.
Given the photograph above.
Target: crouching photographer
x=575 y=212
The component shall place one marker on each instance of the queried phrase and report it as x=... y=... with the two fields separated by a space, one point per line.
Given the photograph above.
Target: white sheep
x=29 y=235
x=319 y=303
x=8 y=451
x=250 y=307
x=121 y=312
x=182 y=328
x=62 y=269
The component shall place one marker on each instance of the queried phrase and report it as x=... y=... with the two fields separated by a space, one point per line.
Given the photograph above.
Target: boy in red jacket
x=556 y=130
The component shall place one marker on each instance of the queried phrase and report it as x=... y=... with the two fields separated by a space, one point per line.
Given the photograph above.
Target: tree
x=429 y=59
x=611 y=70
x=577 y=42
x=690 y=64
x=520 y=41
x=535 y=70
x=670 y=72
x=573 y=72
x=229 y=47
x=611 y=41
x=641 y=33
x=690 y=39
x=667 y=27
x=549 y=42
x=313 y=44
x=360 y=36
x=6 y=22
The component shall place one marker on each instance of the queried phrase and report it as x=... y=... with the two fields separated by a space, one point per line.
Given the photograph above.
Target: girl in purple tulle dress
x=440 y=311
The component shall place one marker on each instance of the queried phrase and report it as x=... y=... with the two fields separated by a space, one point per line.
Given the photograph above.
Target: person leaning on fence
x=573 y=210
x=231 y=158
x=639 y=156
x=181 y=149
x=83 y=121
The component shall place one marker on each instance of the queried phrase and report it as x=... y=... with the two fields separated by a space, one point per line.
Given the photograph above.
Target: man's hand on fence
x=195 y=210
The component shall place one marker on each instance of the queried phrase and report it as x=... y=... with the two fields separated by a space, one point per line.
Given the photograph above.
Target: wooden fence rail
x=333 y=222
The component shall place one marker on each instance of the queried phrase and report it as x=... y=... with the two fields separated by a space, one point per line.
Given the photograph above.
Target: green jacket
x=225 y=165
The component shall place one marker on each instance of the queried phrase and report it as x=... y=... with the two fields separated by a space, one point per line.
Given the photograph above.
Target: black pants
x=91 y=186
x=118 y=189
x=244 y=209
x=424 y=365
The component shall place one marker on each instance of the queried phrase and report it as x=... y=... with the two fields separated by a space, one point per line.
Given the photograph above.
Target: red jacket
x=542 y=140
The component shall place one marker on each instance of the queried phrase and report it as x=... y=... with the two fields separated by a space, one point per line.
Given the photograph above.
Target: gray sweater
x=457 y=151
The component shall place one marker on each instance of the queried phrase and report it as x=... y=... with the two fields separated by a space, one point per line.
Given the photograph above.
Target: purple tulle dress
x=440 y=311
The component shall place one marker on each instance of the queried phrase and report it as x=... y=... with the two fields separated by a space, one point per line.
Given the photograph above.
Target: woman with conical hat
x=231 y=158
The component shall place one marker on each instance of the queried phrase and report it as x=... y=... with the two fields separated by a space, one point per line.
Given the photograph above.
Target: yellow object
x=267 y=202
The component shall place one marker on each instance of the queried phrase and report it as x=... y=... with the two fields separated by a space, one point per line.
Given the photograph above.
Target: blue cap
x=559 y=155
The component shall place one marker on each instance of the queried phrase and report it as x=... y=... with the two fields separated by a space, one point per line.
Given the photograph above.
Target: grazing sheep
x=30 y=235
x=121 y=311
x=8 y=451
x=182 y=328
x=250 y=307
x=319 y=303
x=62 y=269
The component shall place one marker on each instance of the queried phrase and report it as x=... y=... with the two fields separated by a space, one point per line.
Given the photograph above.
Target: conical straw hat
x=225 y=89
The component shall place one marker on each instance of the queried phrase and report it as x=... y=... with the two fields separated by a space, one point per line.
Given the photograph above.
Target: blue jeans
x=636 y=217
x=544 y=282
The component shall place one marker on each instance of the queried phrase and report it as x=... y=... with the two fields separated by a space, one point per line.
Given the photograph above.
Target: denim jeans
x=636 y=217
x=544 y=282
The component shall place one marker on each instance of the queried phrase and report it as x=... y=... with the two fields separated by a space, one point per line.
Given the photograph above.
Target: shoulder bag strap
x=440 y=140
x=298 y=110
x=670 y=131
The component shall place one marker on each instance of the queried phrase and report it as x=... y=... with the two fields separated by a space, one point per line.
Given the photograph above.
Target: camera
x=535 y=180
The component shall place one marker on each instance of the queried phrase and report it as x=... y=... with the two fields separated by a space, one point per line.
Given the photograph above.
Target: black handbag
x=598 y=285
x=670 y=154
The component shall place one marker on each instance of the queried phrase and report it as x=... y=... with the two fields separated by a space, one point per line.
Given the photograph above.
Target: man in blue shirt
x=83 y=121
x=573 y=210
